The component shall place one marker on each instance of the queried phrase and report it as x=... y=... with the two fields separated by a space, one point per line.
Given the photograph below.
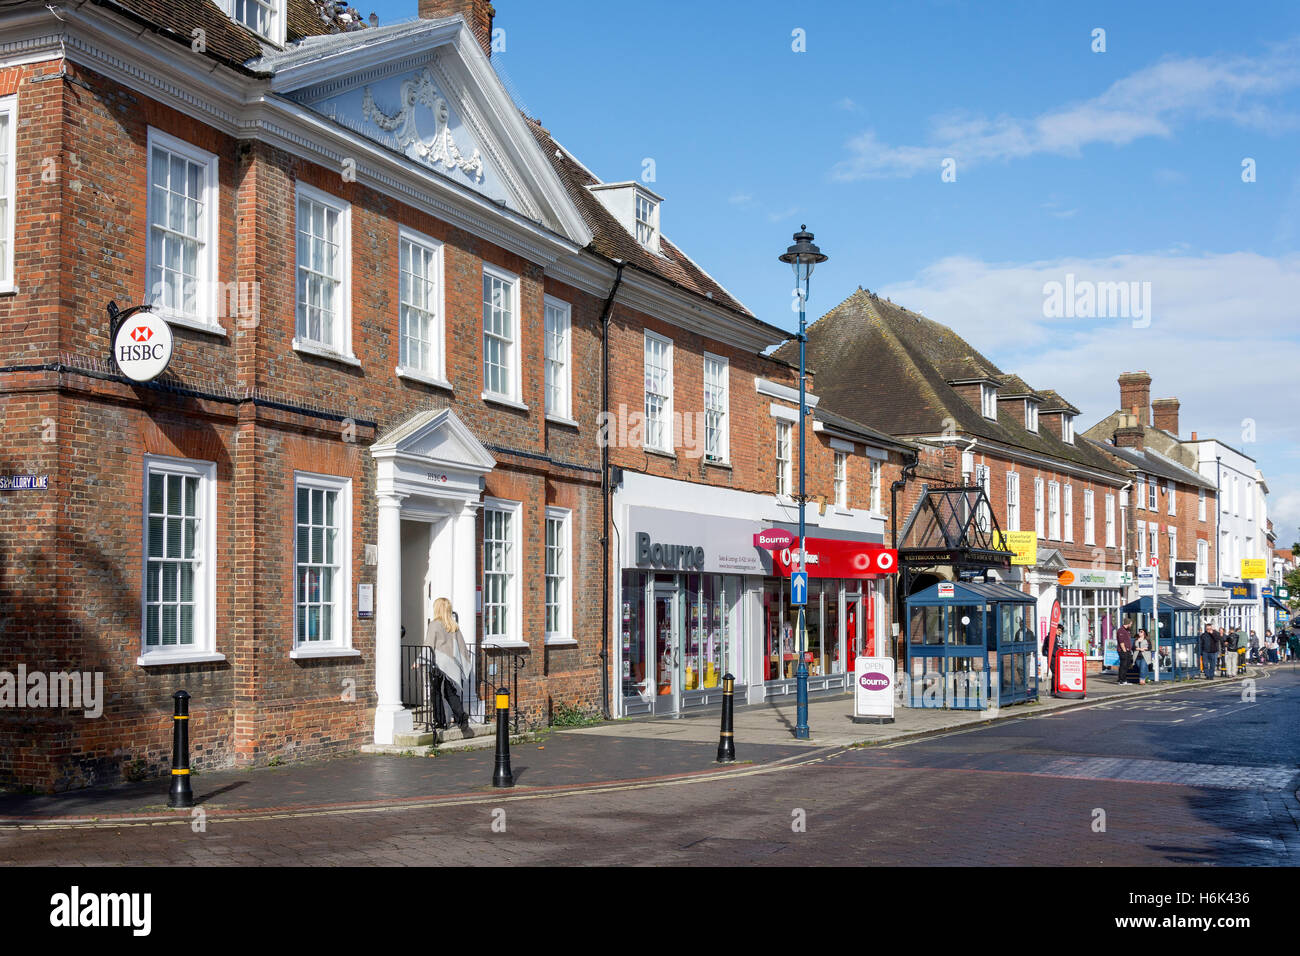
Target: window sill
x=561 y=642
x=308 y=653
x=718 y=464
x=561 y=420
x=415 y=375
x=505 y=644
x=189 y=657
x=502 y=400
x=8 y=288
x=322 y=351
x=660 y=452
x=188 y=322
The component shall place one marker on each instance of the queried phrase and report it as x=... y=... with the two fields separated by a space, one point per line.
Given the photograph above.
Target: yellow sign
x=1253 y=568
x=1022 y=544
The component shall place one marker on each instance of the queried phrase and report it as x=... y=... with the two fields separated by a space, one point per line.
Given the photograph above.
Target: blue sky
x=1123 y=165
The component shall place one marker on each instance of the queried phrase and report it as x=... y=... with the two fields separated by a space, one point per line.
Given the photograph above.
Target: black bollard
x=727 y=739
x=180 y=794
x=502 y=777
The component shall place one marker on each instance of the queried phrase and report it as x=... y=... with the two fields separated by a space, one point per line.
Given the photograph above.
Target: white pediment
x=440 y=437
x=427 y=91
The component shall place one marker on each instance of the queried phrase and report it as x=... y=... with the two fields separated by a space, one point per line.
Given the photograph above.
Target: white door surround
x=430 y=468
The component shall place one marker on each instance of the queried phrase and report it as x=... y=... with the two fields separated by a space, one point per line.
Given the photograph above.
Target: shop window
x=635 y=679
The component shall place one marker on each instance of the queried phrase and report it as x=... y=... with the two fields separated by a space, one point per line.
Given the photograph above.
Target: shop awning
x=1274 y=603
x=1168 y=602
x=969 y=592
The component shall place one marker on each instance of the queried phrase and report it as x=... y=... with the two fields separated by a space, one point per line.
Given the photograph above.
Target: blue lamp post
x=803 y=256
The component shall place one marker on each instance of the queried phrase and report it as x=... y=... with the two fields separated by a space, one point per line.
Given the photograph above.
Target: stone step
x=446 y=737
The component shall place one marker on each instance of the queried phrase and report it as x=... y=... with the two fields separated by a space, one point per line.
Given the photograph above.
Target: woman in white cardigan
x=450 y=675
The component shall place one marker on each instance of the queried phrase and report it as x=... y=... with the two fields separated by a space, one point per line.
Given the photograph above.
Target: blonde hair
x=442 y=614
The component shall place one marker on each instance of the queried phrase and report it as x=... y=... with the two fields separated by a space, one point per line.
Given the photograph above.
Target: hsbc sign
x=142 y=347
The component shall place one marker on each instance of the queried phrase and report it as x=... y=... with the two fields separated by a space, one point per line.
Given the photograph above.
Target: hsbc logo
x=142 y=347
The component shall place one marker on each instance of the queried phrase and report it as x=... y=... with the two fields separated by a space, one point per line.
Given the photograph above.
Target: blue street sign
x=799 y=587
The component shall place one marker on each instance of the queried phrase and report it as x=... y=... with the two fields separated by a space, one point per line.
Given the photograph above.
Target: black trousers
x=446 y=695
x=1125 y=665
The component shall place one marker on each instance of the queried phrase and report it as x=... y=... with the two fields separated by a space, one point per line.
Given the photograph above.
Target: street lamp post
x=803 y=256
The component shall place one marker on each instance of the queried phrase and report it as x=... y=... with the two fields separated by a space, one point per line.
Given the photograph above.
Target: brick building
x=403 y=318
x=1012 y=447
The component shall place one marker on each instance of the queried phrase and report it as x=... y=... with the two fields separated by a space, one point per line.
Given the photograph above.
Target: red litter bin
x=1070 y=675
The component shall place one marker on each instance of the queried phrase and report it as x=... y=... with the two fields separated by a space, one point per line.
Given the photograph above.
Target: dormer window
x=647 y=216
x=1067 y=428
x=1031 y=415
x=263 y=17
x=989 y=401
x=636 y=209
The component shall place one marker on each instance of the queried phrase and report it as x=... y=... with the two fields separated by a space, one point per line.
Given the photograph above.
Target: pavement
x=608 y=754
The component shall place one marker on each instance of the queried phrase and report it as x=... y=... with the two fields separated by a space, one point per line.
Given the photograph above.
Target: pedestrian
x=1230 y=645
x=1142 y=649
x=1272 y=647
x=449 y=674
x=1124 y=642
x=1209 y=651
x=1254 y=648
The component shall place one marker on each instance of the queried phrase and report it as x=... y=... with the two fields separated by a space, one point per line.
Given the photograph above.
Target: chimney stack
x=478 y=15
x=1135 y=392
x=1164 y=415
x=1129 y=431
x=1193 y=436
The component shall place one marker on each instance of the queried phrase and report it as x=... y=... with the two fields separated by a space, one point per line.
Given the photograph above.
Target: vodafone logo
x=886 y=561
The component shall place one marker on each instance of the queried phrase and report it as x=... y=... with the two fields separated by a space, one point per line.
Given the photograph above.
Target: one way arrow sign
x=799 y=588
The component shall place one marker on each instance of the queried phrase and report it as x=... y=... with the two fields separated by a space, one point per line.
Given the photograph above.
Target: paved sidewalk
x=830 y=720
x=615 y=752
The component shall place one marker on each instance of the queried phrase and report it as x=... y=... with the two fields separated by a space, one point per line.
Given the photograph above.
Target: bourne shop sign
x=678 y=557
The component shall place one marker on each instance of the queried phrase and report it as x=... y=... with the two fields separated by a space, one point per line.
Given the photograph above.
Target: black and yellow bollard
x=180 y=794
x=502 y=776
x=727 y=739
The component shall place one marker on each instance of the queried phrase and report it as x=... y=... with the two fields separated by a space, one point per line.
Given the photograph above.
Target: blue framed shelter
x=1179 y=633
x=967 y=640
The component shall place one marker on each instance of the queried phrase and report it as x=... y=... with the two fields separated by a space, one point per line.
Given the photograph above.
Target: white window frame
x=9 y=183
x=1040 y=513
x=1153 y=494
x=565 y=633
x=722 y=409
x=646 y=231
x=278 y=13
x=1067 y=429
x=1142 y=544
x=841 y=479
x=1200 y=504
x=1172 y=494
x=205 y=575
x=340 y=348
x=1013 y=501
x=559 y=313
x=342 y=627
x=1089 y=517
x=667 y=443
x=1202 y=561
x=1140 y=498
x=514 y=590
x=436 y=372
x=1031 y=415
x=1054 y=510
x=1173 y=549
x=784 y=466
x=207 y=298
x=1068 y=513
x=512 y=398
x=1110 y=521
x=989 y=402
x=876 y=485
x=1154 y=529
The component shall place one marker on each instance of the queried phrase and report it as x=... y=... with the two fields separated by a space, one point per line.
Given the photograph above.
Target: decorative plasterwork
x=421 y=91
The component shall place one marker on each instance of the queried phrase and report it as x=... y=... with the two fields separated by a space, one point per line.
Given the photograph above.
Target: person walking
x=1124 y=642
x=1209 y=651
x=449 y=676
x=1142 y=651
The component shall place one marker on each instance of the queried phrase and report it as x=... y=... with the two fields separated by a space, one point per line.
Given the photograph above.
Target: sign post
x=1147 y=587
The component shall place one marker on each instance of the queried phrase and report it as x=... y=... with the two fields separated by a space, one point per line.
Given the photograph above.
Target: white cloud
x=1151 y=102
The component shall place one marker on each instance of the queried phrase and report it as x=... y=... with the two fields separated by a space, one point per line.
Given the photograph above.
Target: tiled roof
x=615 y=242
x=1154 y=463
x=224 y=40
x=849 y=426
x=1013 y=386
x=888 y=367
x=1053 y=402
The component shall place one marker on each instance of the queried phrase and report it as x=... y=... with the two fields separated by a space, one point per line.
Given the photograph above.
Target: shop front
x=1241 y=613
x=1090 y=609
x=843 y=616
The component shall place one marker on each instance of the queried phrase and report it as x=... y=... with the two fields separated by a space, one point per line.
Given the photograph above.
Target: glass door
x=667 y=624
